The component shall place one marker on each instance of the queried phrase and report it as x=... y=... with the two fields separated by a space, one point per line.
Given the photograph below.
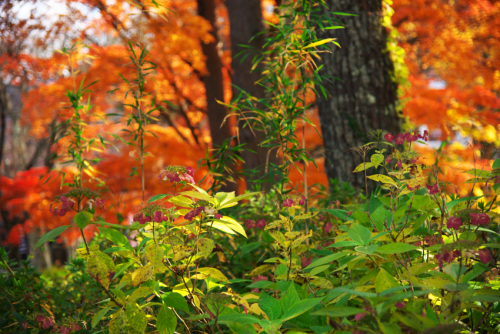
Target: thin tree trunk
x=365 y=98
x=213 y=82
x=246 y=21
x=5 y=107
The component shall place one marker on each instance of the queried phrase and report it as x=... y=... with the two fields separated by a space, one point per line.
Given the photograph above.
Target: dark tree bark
x=245 y=17
x=366 y=97
x=213 y=80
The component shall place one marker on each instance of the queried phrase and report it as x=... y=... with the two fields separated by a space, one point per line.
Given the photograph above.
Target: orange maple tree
x=454 y=47
x=452 y=51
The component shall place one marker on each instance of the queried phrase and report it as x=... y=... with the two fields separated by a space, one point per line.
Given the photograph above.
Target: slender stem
x=290 y=267
x=109 y=295
x=85 y=241
x=181 y=319
x=475 y=175
x=492 y=202
x=3 y=260
x=407 y=217
x=306 y=223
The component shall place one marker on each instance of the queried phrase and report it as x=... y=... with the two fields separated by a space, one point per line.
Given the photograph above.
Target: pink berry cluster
x=257 y=279
x=446 y=256
x=66 y=205
x=178 y=174
x=288 y=203
x=66 y=329
x=193 y=213
x=434 y=189
x=73 y=196
x=259 y=224
x=476 y=219
x=47 y=322
x=158 y=217
x=408 y=137
x=202 y=206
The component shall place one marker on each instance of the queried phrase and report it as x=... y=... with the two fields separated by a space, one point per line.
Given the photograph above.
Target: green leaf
x=451 y=204
x=363 y=166
x=496 y=164
x=121 y=268
x=141 y=293
x=155 y=253
x=377 y=159
x=116 y=237
x=388 y=328
x=300 y=307
x=477 y=270
x=166 y=321
x=103 y=223
x=366 y=249
x=467 y=235
x=270 y=306
x=492 y=245
x=359 y=234
x=118 y=322
x=250 y=247
x=290 y=298
x=381 y=215
x=319 y=269
x=51 y=235
x=339 y=311
x=157 y=197
x=245 y=319
x=270 y=327
x=205 y=246
x=239 y=328
x=396 y=248
x=99 y=315
x=83 y=218
x=478 y=173
x=175 y=300
x=385 y=281
x=326 y=259
x=100 y=267
x=487 y=230
x=342 y=214
x=136 y=317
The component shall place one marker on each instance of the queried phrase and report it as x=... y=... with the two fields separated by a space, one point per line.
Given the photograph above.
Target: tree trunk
x=41 y=258
x=246 y=21
x=366 y=97
x=213 y=82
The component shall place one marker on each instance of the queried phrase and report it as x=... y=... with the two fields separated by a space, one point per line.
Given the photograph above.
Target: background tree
x=453 y=55
x=246 y=28
x=362 y=95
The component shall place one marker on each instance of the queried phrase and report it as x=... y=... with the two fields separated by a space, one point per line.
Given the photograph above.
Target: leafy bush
x=410 y=258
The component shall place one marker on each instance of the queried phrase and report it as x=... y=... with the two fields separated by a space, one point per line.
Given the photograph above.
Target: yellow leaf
x=214 y=273
x=382 y=178
x=323 y=41
x=142 y=274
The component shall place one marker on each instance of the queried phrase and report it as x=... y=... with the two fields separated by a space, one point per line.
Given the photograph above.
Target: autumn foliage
x=451 y=51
